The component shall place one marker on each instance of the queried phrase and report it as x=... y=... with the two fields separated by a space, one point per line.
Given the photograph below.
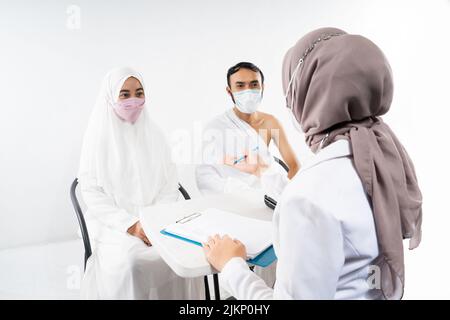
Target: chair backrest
x=81 y=222
x=270 y=202
x=184 y=192
x=187 y=177
x=281 y=163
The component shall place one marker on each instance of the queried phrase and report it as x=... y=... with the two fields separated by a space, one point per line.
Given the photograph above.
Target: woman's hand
x=220 y=250
x=252 y=163
x=137 y=231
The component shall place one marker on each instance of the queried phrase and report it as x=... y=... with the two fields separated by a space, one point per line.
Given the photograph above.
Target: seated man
x=235 y=153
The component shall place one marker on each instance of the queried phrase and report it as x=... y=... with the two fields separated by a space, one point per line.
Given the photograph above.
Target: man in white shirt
x=235 y=151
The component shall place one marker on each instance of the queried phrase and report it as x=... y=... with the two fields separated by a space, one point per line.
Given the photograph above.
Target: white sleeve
x=103 y=208
x=243 y=283
x=274 y=181
x=310 y=257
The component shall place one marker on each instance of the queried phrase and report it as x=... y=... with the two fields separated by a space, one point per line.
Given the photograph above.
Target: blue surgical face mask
x=247 y=101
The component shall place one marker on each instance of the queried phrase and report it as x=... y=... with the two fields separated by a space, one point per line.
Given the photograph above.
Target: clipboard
x=264 y=259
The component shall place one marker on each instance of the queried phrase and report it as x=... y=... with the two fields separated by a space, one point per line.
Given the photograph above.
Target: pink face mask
x=129 y=109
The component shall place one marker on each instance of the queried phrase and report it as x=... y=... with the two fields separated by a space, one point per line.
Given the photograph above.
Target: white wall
x=50 y=74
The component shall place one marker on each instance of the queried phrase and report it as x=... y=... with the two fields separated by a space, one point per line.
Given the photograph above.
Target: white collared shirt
x=324 y=236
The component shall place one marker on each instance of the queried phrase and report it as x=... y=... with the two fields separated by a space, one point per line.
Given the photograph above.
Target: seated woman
x=125 y=165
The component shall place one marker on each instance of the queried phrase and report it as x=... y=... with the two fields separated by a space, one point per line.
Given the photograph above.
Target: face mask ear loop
x=323 y=141
x=323 y=37
x=292 y=83
x=232 y=97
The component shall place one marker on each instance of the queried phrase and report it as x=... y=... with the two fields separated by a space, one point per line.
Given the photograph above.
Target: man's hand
x=137 y=231
x=220 y=250
x=252 y=163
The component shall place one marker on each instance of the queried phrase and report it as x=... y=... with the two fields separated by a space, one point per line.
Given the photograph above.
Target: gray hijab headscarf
x=339 y=91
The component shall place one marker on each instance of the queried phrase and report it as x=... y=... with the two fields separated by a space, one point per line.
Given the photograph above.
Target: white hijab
x=131 y=162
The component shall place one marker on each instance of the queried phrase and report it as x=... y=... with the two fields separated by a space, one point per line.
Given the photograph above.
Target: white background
x=50 y=74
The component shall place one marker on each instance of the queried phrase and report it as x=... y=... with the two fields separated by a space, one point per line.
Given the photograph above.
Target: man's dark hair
x=244 y=65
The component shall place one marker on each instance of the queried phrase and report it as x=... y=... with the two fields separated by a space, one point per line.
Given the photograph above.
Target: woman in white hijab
x=125 y=165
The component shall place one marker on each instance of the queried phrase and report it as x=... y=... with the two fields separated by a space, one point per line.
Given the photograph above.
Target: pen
x=189 y=217
x=243 y=157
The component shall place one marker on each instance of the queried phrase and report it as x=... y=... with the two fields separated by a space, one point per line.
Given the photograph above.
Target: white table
x=186 y=259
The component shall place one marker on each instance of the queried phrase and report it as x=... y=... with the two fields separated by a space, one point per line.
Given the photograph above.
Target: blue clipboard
x=264 y=259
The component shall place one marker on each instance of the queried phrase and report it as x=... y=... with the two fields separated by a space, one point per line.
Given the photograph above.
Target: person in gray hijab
x=340 y=224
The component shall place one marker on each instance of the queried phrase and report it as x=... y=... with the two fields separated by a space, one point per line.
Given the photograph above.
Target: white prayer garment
x=228 y=135
x=123 y=168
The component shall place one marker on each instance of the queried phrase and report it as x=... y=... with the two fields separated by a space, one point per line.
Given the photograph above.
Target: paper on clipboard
x=255 y=234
